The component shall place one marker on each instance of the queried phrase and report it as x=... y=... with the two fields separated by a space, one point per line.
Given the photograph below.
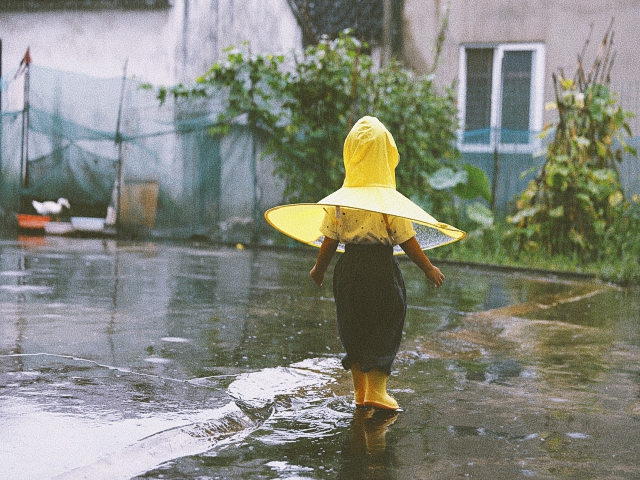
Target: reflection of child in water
x=368 y=285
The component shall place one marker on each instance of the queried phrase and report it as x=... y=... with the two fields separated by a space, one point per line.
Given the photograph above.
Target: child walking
x=367 y=218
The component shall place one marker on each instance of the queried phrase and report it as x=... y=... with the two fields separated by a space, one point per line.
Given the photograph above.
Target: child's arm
x=327 y=249
x=412 y=248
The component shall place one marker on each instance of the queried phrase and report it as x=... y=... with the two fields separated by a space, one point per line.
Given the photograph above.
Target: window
x=500 y=96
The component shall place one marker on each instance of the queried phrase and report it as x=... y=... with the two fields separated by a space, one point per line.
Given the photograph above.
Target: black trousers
x=371 y=306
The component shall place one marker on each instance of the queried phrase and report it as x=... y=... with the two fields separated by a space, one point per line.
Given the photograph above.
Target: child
x=369 y=217
x=368 y=285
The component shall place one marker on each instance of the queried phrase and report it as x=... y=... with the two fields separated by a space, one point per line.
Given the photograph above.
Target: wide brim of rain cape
x=302 y=221
x=370 y=157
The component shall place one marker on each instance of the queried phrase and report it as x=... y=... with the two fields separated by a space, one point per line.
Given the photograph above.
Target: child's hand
x=435 y=275
x=327 y=249
x=317 y=276
x=412 y=248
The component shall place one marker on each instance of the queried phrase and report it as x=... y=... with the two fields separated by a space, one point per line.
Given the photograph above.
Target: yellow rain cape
x=370 y=159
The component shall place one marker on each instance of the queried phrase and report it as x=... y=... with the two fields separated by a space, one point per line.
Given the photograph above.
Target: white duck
x=51 y=208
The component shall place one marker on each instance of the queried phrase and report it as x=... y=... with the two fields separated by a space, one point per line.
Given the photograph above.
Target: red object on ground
x=32 y=222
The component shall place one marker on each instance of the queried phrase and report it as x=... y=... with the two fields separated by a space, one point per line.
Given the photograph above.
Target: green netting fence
x=81 y=128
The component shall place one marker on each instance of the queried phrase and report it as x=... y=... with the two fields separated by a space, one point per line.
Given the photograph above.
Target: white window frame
x=536 y=107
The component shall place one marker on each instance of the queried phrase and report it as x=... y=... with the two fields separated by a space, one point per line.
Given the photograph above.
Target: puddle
x=124 y=360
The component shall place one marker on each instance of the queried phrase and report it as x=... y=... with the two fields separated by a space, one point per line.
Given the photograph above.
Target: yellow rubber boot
x=376 y=393
x=359 y=384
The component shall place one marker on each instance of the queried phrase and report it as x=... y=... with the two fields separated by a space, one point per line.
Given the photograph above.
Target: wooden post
x=117 y=197
x=24 y=148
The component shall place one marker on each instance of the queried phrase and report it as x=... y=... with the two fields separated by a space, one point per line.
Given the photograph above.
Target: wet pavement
x=124 y=360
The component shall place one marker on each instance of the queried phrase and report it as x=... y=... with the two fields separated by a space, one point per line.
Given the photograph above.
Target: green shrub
x=307 y=104
x=577 y=196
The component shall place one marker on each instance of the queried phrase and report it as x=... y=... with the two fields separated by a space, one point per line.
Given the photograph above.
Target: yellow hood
x=370 y=155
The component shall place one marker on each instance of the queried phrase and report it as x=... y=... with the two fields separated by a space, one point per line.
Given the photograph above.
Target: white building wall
x=162 y=46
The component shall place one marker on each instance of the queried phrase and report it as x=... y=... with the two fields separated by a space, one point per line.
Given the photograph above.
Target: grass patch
x=619 y=262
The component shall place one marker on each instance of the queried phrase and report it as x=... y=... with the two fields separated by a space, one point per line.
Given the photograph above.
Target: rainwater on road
x=173 y=361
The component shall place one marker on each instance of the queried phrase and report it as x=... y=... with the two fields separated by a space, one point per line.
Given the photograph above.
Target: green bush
x=577 y=197
x=307 y=103
x=620 y=258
